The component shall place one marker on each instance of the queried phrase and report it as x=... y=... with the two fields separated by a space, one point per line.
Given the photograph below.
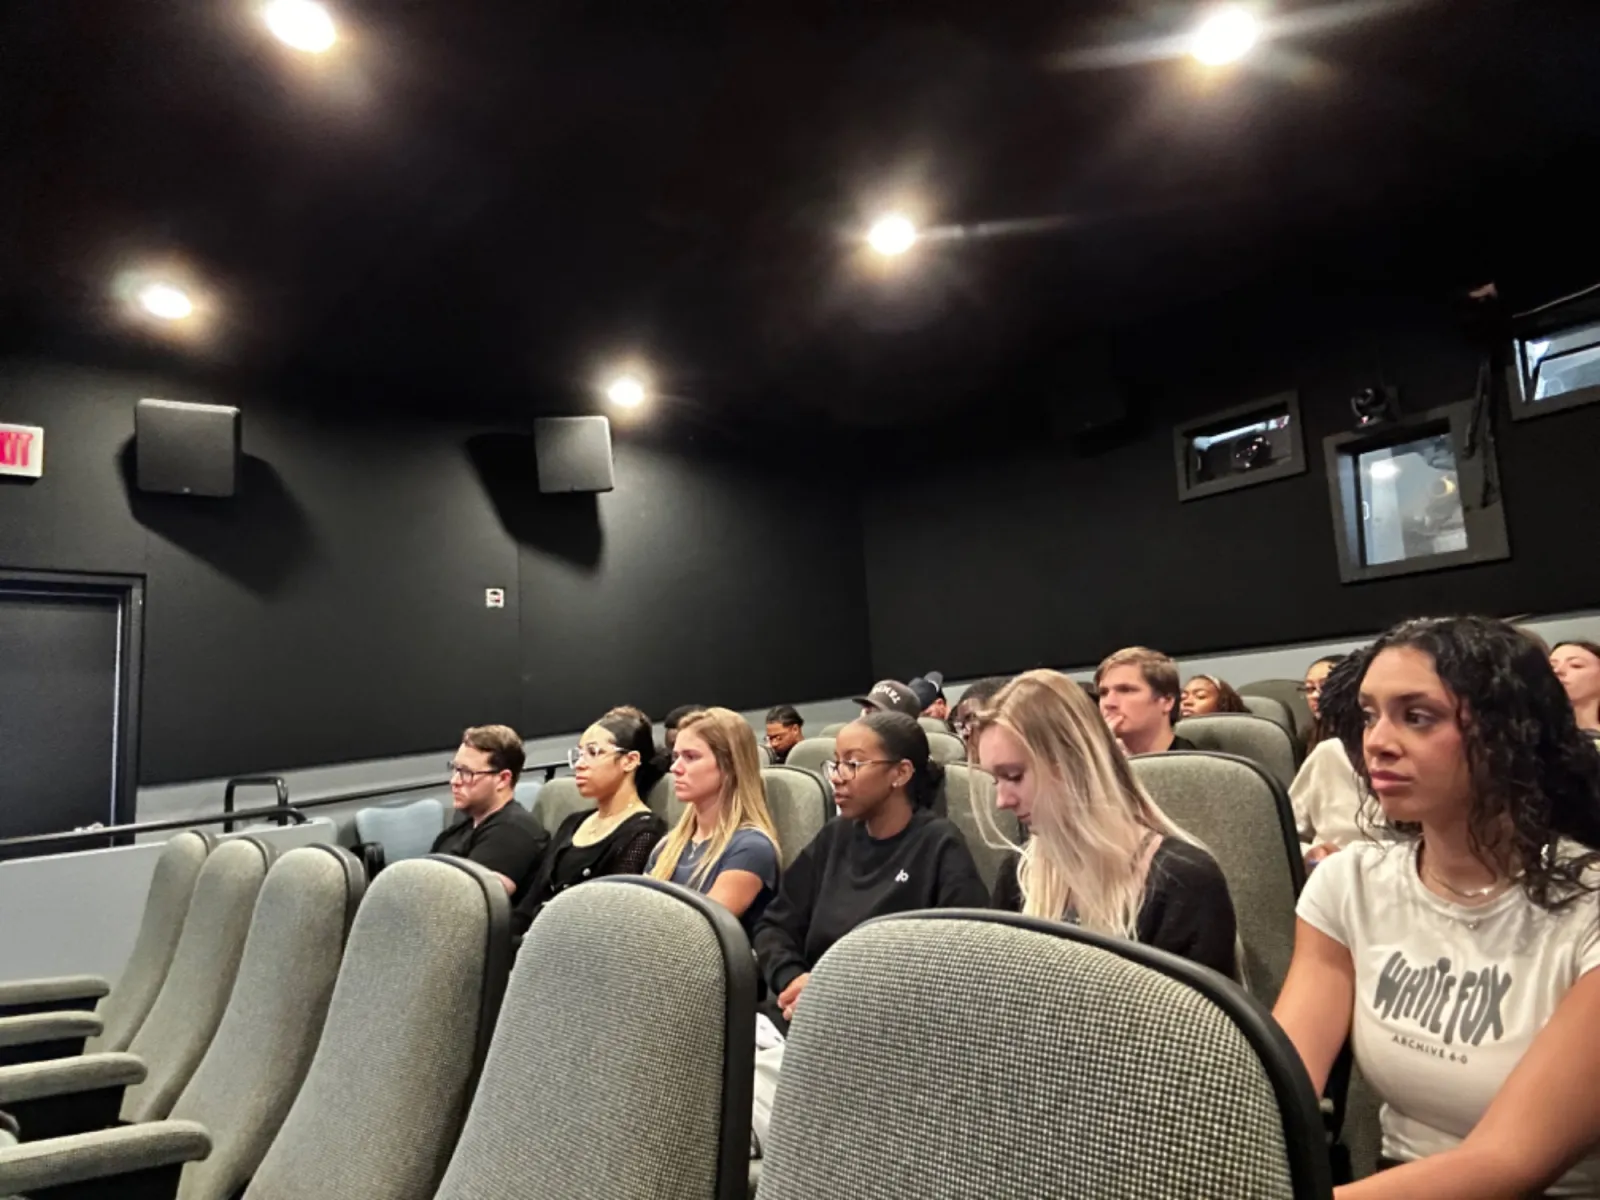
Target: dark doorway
x=69 y=665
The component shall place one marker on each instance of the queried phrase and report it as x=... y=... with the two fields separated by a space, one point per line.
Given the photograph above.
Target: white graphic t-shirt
x=1448 y=997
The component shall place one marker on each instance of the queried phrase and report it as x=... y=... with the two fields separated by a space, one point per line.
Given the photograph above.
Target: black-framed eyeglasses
x=846 y=771
x=468 y=774
x=590 y=753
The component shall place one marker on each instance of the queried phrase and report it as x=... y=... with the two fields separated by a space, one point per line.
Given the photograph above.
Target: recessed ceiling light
x=302 y=24
x=1225 y=36
x=1384 y=468
x=166 y=301
x=626 y=391
x=892 y=234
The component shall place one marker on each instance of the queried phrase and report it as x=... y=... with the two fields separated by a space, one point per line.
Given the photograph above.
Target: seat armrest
x=49 y=1027
x=63 y=1076
x=35 y=1166
x=79 y=990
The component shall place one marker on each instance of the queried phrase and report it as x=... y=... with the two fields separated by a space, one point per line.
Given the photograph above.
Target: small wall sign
x=22 y=450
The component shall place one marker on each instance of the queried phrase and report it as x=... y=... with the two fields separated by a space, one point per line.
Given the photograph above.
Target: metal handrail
x=375 y=793
x=272 y=781
x=284 y=814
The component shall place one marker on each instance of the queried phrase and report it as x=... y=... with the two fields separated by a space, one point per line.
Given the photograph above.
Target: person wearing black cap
x=889 y=695
x=930 y=694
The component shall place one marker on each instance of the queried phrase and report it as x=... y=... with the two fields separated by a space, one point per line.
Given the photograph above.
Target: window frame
x=1560 y=319
x=1477 y=473
x=1279 y=403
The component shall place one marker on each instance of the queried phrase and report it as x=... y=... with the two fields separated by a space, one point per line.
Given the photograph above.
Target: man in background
x=1138 y=689
x=785 y=730
x=889 y=695
x=929 y=690
x=494 y=831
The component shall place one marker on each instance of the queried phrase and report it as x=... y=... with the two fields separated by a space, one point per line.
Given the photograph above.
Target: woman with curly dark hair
x=1460 y=959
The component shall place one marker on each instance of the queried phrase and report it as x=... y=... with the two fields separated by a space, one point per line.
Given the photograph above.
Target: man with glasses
x=785 y=731
x=494 y=832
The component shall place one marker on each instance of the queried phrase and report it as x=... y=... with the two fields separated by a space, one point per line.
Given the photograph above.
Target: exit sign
x=22 y=450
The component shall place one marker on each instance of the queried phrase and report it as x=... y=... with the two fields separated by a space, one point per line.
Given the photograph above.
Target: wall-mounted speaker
x=186 y=449
x=574 y=454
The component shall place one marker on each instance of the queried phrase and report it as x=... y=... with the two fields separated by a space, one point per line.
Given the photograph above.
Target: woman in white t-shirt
x=1459 y=958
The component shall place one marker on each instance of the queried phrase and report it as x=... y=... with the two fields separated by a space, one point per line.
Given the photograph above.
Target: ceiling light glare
x=626 y=391
x=1384 y=468
x=301 y=24
x=891 y=235
x=1225 y=36
x=165 y=301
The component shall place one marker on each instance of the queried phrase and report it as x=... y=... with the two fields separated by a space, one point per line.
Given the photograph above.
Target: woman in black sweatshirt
x=887 y=853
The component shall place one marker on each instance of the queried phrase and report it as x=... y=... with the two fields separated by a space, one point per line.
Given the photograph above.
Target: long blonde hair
x=744 y=797
x=1091 y=820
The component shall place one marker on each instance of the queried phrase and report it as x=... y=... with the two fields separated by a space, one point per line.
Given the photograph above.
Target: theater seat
x=663 y=801
x=629 y=1108
x=1287 y=693
x=810 y=754
x=237 y=1099
x=831 y=731
x=1274 y=711
x=946 y=747
x=965 y=789
x=800 y=807
x=411 y=1017
x=558 y=800
x=52 y=1099
x=1261 y=741
x=1029 y=1058
x=119 y=1014
x=933 y=725
x=403 y=830
x=1243 y=816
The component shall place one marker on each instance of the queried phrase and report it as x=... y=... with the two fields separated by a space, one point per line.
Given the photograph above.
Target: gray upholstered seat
x=558 y=800
x=248 y=1078
x=833 y=729
x=73 y=1095
x=1287 y=693
x=800 y=807
x=966 y=787
x=125 y=1006
x=403 y=830
x=663 y=801
x=623 y=1108
x=1274 y=711
x=990 y=1055
x=933 y=725
x=946 y=747
x=1249 y=736
x=1243 y=816
x=811 y=753
x=411 y=1014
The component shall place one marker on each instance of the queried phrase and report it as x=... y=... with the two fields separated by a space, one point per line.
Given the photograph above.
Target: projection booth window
x=1557 y=366
x=1416 y=494
x=1240 y=447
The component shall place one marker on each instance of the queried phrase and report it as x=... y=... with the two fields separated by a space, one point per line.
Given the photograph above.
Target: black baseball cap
x=890 y=695
x=928 y=688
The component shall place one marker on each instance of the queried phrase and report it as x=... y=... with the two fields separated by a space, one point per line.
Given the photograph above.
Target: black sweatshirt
x=1186 y=910
x=844 y=877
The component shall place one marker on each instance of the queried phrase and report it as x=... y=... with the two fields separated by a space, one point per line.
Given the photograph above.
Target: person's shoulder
x=1179 y=742
x=514 y=814
x=928 y=826
x=748 y=838
x=640 y=822
x=1365 y=868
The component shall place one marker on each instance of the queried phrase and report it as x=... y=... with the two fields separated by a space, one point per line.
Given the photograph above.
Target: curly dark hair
x=1528 y=761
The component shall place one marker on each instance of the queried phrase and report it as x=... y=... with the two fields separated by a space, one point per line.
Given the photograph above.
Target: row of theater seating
x=313 y=1056
x=408 y=830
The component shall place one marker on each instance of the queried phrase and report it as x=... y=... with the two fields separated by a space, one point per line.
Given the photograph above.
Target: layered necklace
x=1469 y=895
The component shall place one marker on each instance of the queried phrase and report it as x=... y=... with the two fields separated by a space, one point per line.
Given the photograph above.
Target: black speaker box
x=574 y=454
x=186 y=449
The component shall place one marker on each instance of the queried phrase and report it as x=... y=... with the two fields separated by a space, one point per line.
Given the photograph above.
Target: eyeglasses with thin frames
x=591 y=753
x=846 y=771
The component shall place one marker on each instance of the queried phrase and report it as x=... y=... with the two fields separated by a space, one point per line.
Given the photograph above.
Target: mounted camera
x=1375 y=405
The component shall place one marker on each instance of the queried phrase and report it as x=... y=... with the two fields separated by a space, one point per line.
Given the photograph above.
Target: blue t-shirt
x=748 y=850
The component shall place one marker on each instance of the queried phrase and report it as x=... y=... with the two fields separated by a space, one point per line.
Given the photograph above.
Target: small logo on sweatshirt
x=902 y=878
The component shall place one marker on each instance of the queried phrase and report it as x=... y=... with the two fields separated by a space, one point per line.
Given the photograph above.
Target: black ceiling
x=494 y=197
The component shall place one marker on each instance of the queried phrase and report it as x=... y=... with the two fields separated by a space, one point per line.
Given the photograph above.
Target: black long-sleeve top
x=623 y=851
x=845 y=877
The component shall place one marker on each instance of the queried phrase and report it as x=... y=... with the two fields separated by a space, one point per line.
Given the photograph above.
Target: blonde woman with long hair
x=725 y=844
x=1099 y=853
